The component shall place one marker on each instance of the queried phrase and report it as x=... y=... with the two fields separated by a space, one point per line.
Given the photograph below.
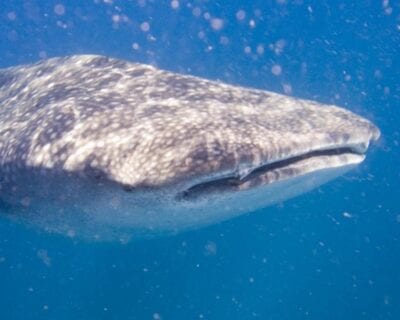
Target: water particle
x=43 y=255
x=145 y=26
x=240 y=15
x=59 y=9
x=116 y=18
x=175 y=4
x=388 y=11
x=260 y=49
x=217 y=24
x=42 y=54
x=347 y=215
x=224 y=40
x=156 y=316
x=11 y=16
x=26 y=201
x=276 y=70
x=71 y=233
x=210 y=249
x=386 y=90
x=398 y=218
x=196 y=12
x=252 y=23
x=287 y=88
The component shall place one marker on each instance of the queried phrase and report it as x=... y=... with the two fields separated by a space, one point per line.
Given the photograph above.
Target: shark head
x=98 y=146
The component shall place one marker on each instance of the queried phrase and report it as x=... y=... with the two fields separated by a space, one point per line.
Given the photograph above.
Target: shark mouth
x=278 y=170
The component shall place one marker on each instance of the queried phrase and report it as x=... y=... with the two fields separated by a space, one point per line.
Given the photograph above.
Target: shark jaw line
x=343 y=156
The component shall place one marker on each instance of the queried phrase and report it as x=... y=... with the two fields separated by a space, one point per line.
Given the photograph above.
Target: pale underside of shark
x=105 y=148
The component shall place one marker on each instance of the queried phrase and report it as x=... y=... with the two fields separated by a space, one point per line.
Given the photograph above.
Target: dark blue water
x=333 y=253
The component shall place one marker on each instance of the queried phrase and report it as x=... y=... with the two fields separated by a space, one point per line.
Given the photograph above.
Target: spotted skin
x=141 y=128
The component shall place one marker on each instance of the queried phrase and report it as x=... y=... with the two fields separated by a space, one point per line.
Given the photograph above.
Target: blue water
x=333 y=253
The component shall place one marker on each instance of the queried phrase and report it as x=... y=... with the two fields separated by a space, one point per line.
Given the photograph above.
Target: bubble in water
x=59 y=9
x=156 y=316
x=42 y=254
x=240 y=15
x=347 y=215
x=196 y=12
x=11 y=16
x=175 y=4
x=276 y=70
x=217 y=24
x=210 y=249
x=145 y=26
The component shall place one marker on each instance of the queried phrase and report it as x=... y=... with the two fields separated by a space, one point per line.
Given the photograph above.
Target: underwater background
x=333 y=253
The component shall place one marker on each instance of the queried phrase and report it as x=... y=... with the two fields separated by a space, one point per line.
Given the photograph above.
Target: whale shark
x=103 y=148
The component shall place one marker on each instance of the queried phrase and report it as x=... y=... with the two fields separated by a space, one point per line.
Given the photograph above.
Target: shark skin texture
x=102 y=148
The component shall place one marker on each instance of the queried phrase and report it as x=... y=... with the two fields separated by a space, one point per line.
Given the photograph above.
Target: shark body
x=95 y=146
